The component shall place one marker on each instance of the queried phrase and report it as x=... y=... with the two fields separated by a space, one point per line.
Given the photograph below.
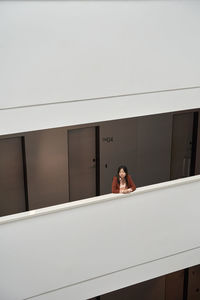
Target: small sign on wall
x=108 y=139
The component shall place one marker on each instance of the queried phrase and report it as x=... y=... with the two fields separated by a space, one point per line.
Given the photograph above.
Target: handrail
x=95 y=200
x=89 y=247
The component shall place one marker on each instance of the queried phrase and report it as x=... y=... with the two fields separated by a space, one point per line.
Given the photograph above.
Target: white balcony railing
x=86 y=248
x=80 y=70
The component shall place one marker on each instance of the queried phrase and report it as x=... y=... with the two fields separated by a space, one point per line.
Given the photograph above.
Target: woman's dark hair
x=125 y=170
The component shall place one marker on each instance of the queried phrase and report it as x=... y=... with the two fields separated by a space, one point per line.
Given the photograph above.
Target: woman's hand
x=126 y=191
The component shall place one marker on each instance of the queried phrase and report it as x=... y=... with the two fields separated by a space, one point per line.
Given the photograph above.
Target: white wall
x=52 y=51
x=91 y=247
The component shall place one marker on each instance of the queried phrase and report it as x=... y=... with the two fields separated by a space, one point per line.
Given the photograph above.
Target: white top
x=122 y=186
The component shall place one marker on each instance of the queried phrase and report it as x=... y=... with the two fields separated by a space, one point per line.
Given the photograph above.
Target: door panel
x=118 y=141
x=181 y=154
x=82 y=163
x=153 y=149
x=194 y=283
x=12 y=194
x=197 y=158
x=149 y=290
x=143 y=144
x=47 y=172
x=174 y=285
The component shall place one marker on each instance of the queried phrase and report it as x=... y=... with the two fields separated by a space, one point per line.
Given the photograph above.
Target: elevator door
x=12 y=195
x=182 y=141
x=82 y=163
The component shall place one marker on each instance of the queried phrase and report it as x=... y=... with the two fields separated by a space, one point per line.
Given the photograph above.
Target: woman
x=123 y=183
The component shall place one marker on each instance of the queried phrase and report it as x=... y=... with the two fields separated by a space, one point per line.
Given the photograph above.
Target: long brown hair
x=125 y=170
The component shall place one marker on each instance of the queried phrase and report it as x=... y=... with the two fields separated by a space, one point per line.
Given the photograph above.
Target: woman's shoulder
x=115 y=180
x=129 y=178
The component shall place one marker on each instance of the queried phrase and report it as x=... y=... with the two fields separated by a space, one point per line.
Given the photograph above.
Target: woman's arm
x=132 y=186
x=115 y=185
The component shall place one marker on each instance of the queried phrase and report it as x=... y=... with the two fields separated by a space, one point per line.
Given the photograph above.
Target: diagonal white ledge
x=95 y=200
x=89 y=247
x=26 y=119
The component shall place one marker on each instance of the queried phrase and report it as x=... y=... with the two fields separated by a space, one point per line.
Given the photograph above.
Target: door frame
x=97 y=156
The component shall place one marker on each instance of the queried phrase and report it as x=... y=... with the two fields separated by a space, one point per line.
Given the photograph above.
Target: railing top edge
x=95 y=200
x=117 y=96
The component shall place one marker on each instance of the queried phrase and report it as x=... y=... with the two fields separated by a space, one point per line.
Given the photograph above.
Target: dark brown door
x=82 y=163
x=12 y=192
x=182 y=142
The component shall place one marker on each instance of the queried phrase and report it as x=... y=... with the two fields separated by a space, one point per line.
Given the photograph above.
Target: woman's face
x=122 y=174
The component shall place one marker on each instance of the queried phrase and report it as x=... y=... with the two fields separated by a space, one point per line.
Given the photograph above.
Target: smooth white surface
x=83 y=242
x=70 y=50
x=115 y=281
x=63 y=51
x=82 y=112
x=97 y=199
